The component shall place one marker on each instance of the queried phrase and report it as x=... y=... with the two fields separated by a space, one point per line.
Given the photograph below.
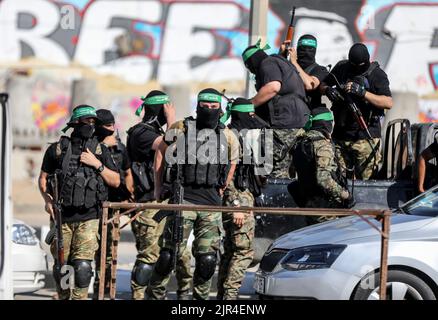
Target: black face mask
x=243 y=120
x=359 y=59
x=84 y=131
x=207 y=118
x=102 y=132
x=356 y=70
x=155 y=112
x=254 y=62
x=306 y=56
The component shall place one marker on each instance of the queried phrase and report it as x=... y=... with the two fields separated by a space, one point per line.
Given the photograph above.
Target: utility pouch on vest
x=79 y=190
x=66 y=194
x=91 y=193
x=143 y=181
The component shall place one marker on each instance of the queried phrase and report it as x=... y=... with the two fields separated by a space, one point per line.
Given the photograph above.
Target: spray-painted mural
x=176 y=41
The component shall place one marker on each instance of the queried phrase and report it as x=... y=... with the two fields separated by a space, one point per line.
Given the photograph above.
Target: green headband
x=161 y=99
x=238 y=108
x=328 y=116
x=209 y=97
x=307 y=43
x=250 y=52
x=81 y=112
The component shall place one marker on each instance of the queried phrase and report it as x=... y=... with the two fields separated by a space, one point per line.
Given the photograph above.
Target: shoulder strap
x=371 y=69
x=66 y=160
x=310 y=68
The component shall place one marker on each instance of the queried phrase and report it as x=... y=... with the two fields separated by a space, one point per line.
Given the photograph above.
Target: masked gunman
x=365 y=84
x=85 y=170
x=280 y=101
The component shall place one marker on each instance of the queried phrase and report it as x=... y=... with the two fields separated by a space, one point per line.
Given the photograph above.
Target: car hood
x=348 y=228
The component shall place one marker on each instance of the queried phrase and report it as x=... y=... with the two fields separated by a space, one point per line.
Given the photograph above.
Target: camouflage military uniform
x=238 y=251
x=355 y=153
x=283 y=167
x=206 y=227
x=147 y=232
x=80 y=242
x=326 y=167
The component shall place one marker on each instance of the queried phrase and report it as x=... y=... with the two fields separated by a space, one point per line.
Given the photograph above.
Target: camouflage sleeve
x=325 y=166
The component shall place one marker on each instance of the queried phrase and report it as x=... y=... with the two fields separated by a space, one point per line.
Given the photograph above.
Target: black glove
x=350 y=202
x=357 y=90
x=332 y=94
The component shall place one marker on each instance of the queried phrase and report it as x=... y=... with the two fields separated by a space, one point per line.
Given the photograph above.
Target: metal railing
x=384 y=216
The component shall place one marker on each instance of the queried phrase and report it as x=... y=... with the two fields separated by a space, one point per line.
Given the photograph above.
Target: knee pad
x=164 y=264
x=83 y=273
x=206 y=265
x=142 y=273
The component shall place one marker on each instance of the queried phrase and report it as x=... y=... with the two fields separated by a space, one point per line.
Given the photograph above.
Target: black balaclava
x=104 y=117
x=359 y=59
x=243 y=120
x=324 y=126
x=82 y=130
x=306 y=50
x=155 y=111
x=253 y=62
x=207 y=118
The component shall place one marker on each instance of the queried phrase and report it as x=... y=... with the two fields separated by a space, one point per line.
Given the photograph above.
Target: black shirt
x=346 y=127
x=202 y=195
x=51 y=163
x=276 y=68
x=140 y=144
x=120 y=156
x=314 y=96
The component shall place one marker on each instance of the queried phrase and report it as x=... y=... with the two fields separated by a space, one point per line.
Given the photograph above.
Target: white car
x=29 y=261
x=340 y=259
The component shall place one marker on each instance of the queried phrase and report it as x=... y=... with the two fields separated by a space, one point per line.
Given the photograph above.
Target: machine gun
x=59 y=261
x=290 y=33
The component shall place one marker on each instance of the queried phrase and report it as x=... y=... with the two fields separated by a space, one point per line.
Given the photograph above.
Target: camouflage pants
x=206 y=227
x=320 y=202
x=238 y=252
x=283 y=168
x=81 y=240
x=355 y=153
x=147 y=233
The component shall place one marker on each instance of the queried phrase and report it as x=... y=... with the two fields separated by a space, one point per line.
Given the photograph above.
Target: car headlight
x=312 y=257
x=22 y=234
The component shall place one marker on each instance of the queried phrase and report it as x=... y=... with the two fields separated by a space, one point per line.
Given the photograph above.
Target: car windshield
x=425 y=204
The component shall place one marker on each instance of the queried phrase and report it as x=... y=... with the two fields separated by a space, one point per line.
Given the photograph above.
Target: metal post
x=384 y=254
x=258 y=26
x=103 y=253
x=115 y=244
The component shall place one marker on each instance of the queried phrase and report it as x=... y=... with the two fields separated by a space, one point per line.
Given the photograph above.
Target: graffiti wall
x=180 y=41
x=175 y=41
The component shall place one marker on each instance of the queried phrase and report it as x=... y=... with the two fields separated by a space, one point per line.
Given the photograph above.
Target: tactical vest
x=288 y=109
x=80 y=185
x=142 y=167
x=246 y=177
x=200 y=174
x=305 y=164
